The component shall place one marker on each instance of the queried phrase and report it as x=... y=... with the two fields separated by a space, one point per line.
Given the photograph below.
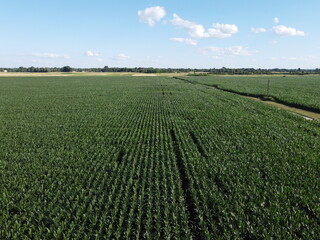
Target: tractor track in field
x=307 y=113
x=121 y=155
x=194 y=221
x=198 y=145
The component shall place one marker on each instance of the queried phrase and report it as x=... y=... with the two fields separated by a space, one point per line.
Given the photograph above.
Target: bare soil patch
x=144 y=75
x=306 y=114
x=57 y=74
x=62 y=74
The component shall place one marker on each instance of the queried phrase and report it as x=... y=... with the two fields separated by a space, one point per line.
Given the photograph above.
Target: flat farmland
x=120 y=157
x=296 y=90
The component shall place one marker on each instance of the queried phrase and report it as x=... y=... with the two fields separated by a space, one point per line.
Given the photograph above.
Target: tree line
x=202 y=71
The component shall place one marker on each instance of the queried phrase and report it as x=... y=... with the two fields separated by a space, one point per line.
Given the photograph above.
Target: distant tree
x=105 y=69
x=66 y=69
x=21 y=69
x=222 y=70
x=31 y=69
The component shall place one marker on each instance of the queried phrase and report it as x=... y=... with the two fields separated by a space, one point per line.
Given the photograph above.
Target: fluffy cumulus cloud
x=258 y=30
x=151 y=15
x=194 y=30
x=91 y=54
x=198 y=31
x=235 y=51
x=276 y=20
x=121 y=57
x=185 y=40
x=226 y=28
x=50 y=55
x=284 y=31
x=222 y=30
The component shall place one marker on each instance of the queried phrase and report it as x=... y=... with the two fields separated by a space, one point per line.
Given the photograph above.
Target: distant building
x=5 y=70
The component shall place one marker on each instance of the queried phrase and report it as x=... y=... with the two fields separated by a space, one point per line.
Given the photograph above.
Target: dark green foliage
x=195 y=71
x=299 y=91
x=153 y=158
x=66 y=69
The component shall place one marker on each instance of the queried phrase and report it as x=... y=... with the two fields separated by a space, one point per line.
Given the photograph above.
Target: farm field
x=89 y=74
x=298 y=90
x=120 y=157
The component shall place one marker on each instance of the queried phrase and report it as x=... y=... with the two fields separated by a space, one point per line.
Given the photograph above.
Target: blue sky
x=168 y=33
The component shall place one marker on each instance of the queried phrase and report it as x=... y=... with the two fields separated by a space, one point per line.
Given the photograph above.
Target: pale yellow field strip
x=307 y=114
x=60 y=74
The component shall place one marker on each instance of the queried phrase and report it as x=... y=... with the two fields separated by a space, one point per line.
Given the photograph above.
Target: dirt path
x=309 y=115
x=58 y=74
x=306 y=114
x=144 y=75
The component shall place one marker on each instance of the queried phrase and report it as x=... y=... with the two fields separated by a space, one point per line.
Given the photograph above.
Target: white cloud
x=222 y=30
x=296 y=59
x=151 y=15
x=50 y=55
x=92 y=54
x=281 y=30
x=276 y=20
x=235 y=51
x=198 y=31
x=258 y=30
x=185 y=40
x=226 y=28
x=121 y=57
x=300 y=58
x=194 y=30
